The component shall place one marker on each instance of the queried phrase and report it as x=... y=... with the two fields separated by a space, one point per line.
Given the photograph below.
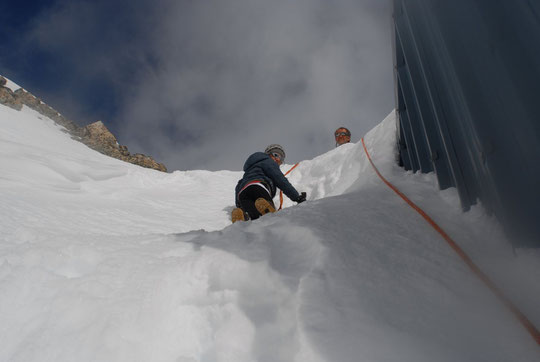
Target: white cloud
x=203 y=84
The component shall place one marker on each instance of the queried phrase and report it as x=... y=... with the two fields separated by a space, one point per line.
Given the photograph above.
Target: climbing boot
x=264 y=206
x=238 y=215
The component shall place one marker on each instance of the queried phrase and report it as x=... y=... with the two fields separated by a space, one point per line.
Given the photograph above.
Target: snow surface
x=101 y=260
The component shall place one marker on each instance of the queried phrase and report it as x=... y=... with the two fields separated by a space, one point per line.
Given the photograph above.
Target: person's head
x=276 y=153
x=343 y=135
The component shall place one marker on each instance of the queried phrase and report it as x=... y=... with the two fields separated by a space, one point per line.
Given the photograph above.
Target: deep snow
x=101 y=260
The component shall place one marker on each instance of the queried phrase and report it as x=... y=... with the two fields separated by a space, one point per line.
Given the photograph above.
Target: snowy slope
x=102 y=260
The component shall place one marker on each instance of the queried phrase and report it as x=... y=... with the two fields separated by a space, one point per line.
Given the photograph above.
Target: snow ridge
x=104 y=260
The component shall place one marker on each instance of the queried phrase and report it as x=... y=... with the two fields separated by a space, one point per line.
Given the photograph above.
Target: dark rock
x=39 y=106
x=99 y=138
x=145 y=161
x=7 y=97
x=98 y=133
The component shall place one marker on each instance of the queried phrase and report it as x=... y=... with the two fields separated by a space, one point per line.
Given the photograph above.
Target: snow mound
x=102 y=260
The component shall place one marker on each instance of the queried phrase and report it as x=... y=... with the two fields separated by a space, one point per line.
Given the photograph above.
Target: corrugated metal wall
x=467 y=78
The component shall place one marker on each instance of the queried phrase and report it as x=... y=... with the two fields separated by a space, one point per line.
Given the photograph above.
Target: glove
x=301 y=198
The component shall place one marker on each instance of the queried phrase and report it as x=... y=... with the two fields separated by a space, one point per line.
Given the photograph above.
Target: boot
x=264 y=206
x=238 y=215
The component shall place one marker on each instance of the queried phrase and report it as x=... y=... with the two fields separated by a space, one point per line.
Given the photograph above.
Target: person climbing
x=343 y=135
x=254 y=193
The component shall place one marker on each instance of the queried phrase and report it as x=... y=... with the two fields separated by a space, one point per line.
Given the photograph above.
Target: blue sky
x=202 y=84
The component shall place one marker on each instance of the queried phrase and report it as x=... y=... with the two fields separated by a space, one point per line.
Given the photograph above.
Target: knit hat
x=275 y=149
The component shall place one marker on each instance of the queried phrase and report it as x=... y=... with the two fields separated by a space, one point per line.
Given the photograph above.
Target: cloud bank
x=203 y=84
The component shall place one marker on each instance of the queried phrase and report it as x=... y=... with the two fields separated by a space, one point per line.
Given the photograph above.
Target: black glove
x=301 y=198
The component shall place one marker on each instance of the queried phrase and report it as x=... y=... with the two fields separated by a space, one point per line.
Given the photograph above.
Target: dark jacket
x=259 y=166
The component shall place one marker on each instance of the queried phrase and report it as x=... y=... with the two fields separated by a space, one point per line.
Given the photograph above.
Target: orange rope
x=483 y=277
x=281 y=192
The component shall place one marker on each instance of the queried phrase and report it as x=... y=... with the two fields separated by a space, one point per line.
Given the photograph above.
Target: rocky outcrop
x=29 y=100
x=94 y=135
x=7 y=97
x=99 y=138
